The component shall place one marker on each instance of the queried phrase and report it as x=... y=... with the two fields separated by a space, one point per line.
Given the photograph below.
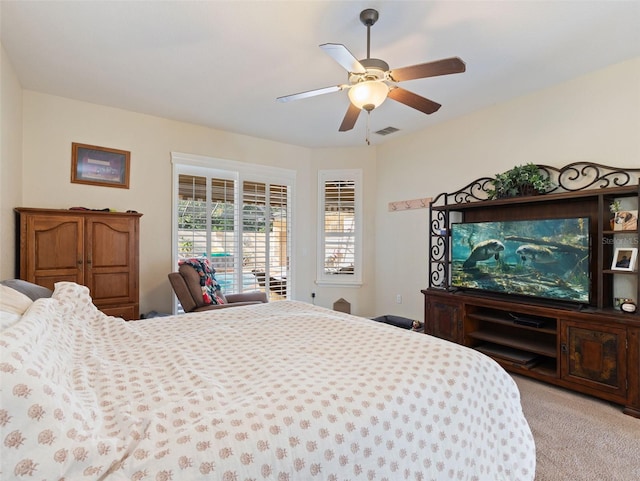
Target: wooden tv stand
x=596 y=353
x=592 y=349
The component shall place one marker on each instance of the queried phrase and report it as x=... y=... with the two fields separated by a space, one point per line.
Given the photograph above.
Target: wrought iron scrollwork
x=473 y=192
x=438 y=276
x=438 y=248
x=572 y=177
x=587 y=175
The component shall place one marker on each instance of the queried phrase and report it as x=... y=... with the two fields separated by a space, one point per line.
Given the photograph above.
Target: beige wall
x=361 y=299
x=595 y=118
x=10 y=161
x=51 y=124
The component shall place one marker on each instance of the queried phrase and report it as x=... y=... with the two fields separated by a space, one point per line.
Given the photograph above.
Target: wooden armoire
x=94 y=248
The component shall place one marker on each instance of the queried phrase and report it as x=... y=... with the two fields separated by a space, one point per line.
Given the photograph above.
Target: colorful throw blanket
x=211 y=290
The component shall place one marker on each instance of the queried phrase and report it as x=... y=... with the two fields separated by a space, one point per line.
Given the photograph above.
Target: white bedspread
x=282 y=391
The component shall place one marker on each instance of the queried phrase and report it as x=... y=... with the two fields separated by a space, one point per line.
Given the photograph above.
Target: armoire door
x=54 y=247
x=112 y=261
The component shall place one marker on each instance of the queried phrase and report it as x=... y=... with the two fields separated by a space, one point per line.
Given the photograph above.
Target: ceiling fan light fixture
x=369 y=94
x=370 y=81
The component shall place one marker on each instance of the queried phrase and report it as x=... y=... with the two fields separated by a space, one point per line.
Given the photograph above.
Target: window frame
x=343 y=280
x=239 y=172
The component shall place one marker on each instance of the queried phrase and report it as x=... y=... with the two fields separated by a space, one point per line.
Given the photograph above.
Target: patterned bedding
x=282 y=391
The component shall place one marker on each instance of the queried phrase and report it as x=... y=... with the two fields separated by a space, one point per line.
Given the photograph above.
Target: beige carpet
x=579 y=438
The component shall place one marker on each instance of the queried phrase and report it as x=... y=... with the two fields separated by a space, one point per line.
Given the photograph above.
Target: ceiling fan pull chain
x=368 y=130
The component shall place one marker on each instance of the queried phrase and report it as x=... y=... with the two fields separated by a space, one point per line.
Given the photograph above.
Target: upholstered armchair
x=186 y=285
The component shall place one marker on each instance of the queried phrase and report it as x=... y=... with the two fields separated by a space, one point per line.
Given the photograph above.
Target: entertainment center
x=543 y=302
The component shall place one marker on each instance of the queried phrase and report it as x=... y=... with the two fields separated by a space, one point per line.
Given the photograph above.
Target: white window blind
x=206 y=226
x=340 y=238
x=265 y=234
x=242 y=226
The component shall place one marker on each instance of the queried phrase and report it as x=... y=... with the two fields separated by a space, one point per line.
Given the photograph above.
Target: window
x=203 y=235
x=340 y=219
x=238 y=217
x=265 y=233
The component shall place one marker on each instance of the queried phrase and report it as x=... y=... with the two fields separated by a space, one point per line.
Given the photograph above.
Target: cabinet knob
x=79 y=262
x=564 y=348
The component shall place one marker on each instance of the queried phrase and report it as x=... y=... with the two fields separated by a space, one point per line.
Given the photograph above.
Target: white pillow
x=12 y=305
x=8 y=319
x=13 y=301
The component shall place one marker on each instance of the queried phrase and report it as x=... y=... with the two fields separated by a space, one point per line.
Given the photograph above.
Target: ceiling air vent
x=387 y=131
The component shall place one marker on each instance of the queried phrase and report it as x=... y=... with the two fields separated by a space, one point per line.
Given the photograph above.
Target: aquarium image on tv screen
x=546 y=258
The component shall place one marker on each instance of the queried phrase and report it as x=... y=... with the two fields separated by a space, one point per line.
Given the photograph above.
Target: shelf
x=615 y=232
x=628 y=190
x=516 y=356
x=509 y=322
x=529 y=345
x=611 y=271
x=544 y=368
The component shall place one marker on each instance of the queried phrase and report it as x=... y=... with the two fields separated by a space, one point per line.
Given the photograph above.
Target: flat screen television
x=544 y=259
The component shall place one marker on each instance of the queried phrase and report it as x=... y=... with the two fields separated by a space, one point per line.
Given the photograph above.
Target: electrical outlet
x=398 y=299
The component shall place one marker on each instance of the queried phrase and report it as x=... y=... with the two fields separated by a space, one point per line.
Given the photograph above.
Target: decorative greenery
x=522 y=180
x=614 y=206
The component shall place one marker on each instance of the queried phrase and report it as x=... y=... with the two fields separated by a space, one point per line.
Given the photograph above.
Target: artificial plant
x=521 y=180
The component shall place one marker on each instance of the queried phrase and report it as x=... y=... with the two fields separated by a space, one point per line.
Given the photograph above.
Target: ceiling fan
x=371 y=81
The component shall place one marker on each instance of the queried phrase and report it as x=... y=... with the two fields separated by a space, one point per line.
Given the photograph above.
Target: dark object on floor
x=401 y=322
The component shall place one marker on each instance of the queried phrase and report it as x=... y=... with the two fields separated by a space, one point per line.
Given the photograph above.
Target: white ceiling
x=223 y=63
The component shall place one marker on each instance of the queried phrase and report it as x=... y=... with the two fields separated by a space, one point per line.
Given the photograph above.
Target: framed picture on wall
x=624 y=259
x=103 y=166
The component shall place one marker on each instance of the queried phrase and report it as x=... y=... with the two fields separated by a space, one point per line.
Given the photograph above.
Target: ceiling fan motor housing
x=376 y=70
x=369 y=17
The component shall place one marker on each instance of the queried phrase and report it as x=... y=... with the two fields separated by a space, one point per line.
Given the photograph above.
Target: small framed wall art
x=626 y=220
x=624 y=259
x=95 y=165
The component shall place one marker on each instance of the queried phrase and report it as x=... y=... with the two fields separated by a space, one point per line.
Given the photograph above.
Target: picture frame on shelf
x=625 y=220
x=94 y=165
x=624 y=259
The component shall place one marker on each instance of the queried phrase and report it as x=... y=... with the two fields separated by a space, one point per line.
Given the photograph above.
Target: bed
x=281 y=391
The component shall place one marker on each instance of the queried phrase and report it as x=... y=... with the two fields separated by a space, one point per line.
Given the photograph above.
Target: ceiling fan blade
x=341 y=54
x=310 y=93
x=350 y=118
x=430 y=69
x=413 y=100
